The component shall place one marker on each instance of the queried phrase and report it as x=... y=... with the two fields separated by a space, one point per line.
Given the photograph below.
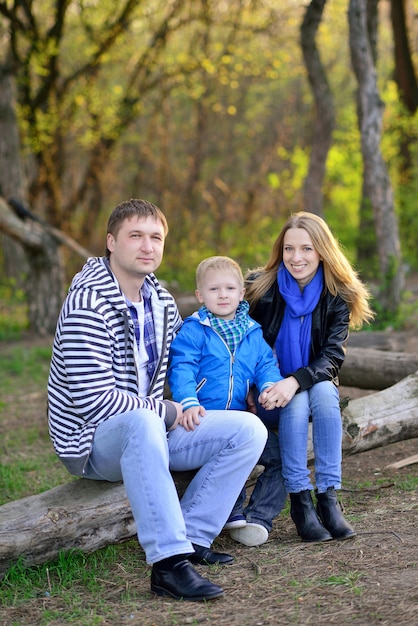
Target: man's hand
x=191 y=417
x=279 y=394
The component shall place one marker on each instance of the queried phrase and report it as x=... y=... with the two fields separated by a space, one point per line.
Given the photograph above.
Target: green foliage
x=13 y=310
x=408 y=215
x=205 y=109
x=250 y=245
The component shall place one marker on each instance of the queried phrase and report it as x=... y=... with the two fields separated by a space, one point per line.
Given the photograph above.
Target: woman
x=306 y=298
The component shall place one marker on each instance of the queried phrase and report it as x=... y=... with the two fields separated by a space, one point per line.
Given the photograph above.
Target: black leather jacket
x=330 y=322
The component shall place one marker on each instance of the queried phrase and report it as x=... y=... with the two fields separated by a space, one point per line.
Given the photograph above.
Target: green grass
x=406 y=483
x=71 y=570
x=74 y=577
x=28 y=462
x=21 y=366
x=26 y=477
x=349 y=580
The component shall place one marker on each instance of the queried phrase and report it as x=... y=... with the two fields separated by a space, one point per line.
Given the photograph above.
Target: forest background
x=211 y=109
x=207 y=109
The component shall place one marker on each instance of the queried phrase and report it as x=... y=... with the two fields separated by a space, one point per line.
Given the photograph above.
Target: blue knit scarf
x=294 y=339
x=231 y=331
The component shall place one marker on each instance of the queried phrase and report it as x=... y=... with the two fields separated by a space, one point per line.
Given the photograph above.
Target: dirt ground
x=369 y=580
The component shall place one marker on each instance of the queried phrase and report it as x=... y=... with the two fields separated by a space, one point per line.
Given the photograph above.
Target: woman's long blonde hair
x=340 y=278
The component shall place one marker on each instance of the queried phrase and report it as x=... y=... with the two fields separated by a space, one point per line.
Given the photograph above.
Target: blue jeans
x=134 y=447
x=321 y=402
x=285 y=455
x=269 y=494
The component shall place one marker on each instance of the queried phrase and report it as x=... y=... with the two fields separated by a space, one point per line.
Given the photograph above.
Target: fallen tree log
x=82 y=514
x=382 y=418
x=88 y=514
x=387 y=340
x=367 y=368
x=379 y=419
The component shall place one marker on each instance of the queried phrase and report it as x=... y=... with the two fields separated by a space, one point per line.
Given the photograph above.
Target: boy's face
x=221 y=292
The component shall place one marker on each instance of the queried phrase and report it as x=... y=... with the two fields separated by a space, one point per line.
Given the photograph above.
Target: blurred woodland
x=229 y=115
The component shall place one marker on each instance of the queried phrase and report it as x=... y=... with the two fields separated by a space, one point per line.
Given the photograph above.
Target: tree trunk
x=407 y=82
x=89 y=514
x=45 y=275
x=375 y=171
x=12 y=180
x=45 y=281
x=404 y=67
x=367 y=255
x=324 y=121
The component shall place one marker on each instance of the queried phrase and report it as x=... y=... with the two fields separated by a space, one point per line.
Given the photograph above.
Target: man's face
x=137 y=249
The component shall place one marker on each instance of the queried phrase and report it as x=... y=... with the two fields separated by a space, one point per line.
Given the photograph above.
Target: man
x=108 y=419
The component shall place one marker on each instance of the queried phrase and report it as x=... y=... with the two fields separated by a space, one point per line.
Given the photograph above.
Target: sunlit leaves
x=181 y=94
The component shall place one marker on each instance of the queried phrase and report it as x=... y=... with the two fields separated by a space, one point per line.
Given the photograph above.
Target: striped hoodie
x=93 y=373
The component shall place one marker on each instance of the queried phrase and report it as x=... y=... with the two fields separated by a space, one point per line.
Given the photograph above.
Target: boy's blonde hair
x=223 y=263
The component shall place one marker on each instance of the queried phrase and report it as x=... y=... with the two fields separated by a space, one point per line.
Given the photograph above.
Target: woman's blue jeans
x=321 y=404
x=285 y=456
x=134 y=447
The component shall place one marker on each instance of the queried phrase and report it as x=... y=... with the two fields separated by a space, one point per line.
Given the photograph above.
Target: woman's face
x=299 y=255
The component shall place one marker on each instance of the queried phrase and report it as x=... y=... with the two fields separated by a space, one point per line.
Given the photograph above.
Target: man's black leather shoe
x=206 y=556
x=182 y=582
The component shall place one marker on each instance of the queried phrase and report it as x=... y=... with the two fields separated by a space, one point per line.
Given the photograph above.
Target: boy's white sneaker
x=235 y=521
x=250 y=534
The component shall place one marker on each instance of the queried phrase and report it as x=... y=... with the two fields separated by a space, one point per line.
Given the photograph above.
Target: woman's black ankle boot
x=329 y=510
x=305 y=517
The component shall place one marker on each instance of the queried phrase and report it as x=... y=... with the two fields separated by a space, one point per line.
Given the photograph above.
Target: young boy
x=219 y=352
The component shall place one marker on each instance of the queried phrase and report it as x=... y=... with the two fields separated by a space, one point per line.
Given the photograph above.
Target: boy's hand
x=279 y=394
x=191 y=417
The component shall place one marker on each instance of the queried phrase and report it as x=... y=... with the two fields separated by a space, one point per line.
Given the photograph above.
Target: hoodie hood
x=97 y=276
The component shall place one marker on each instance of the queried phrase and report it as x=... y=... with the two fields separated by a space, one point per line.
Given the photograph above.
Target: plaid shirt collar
x=231 y=331
x=149 y=330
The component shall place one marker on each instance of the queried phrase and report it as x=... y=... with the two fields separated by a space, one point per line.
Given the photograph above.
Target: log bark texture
x=366 y=368
x=88 y=514
x=83 y=514
x=382 y=418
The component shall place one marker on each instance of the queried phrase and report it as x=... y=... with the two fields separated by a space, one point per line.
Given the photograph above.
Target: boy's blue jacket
x=202 y=369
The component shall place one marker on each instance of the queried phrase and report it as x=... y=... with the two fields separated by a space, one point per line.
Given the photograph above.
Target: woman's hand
x=279 y=394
